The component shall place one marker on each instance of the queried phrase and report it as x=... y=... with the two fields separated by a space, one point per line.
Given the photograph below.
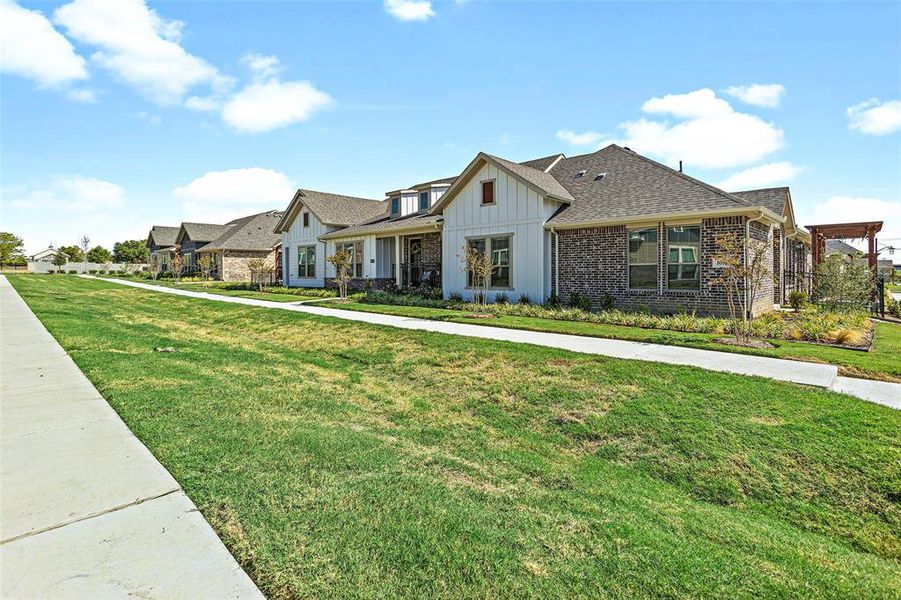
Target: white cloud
x=219 y=196
x=875 y=117
x=767 y=95
x=410 y=10
x=268 y=105
x=580 y=139
x=263 y=66
x=851 y=209
x=708 y=135
x=760 y=176
x=32 y=48
x=83 y=95
x=140 y=47
x=74 y=193
x=203 y=103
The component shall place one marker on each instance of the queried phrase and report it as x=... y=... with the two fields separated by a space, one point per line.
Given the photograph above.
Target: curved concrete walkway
x=86 y=511
x=825 y=376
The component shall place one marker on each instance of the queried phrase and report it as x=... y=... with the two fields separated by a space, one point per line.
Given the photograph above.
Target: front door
x=414 y=267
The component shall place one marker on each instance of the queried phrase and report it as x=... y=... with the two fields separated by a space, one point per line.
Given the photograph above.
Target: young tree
x=59 y=260
x=176 y=263
x=10 y=249
x=99 y=254
x=478 y=268
x=205 y=263
x=843 y=283
x=85 y=243
x=341 y=260
x=156 y=265
x=743 y=271
x=73 y=253
x=130 y=251
x=259 y=270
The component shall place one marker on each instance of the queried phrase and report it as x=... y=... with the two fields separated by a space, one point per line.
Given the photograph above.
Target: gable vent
x=600 y=176
x=580 y=173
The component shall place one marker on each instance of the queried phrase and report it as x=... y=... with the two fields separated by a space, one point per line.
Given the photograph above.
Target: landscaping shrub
x=501 y=298
x=607 y=302
x=92 y=271
x=72 y=272
x=455 y=297
x=797 y=299
x=580 y=301
x=524 y=299
x=553 y=301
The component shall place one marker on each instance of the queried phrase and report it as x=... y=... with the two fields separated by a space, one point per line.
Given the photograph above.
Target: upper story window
x=488 y=192
x=395 y=206
x=306 y=219
x=423 y=200
x=643 y=259
x=683 y=258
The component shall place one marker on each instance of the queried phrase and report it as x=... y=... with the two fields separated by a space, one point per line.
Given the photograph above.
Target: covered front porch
x=409 y=260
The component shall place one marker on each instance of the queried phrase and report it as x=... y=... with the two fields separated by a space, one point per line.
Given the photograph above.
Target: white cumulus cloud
x=268 y=105
x=141 y=48
x=767 y=95
x=580 y=139
x=220 y=196
x=75 y=193
x=32 y=48
x=707 y=133
x=875 y=117
x=761 y=176
x=410 y=10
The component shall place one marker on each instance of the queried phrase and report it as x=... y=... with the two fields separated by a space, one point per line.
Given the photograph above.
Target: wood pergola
x=839 y=231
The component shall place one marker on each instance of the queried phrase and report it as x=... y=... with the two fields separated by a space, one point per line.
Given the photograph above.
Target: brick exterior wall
x=234 y=264
x=762 y=240
x=431 y=248
x=778 y=263
x=594 y=262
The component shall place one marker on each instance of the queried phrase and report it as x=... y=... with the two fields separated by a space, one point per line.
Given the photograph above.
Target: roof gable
x=538 y=180
x=200 y=232
x=331 y=209
x=253 y=232
x=162 y=235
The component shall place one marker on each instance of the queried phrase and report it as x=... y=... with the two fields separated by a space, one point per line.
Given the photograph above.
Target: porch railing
x=415 y=274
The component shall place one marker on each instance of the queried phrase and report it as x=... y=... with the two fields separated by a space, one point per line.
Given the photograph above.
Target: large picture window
x=356 y=253
x=643 y=259
x=306 y=262
x=499 y=249
x=683 y=258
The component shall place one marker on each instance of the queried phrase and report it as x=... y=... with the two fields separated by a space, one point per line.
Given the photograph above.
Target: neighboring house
x=191 y=237
x=884 y=266
x=161 y=243
x=44 y=256
x=243 y=240
x=611 y=225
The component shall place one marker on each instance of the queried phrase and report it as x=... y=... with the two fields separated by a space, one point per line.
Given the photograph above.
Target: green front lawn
x=343 y=459
x=212 y=289
x=881 y=362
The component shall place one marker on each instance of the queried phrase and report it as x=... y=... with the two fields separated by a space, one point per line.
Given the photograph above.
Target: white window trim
x=307 y=275
x=630 y=264
x=680 y=246
x=487 y=239
x=493 y=182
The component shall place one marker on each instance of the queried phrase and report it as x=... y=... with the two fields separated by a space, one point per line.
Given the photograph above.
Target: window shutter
x=487 y=192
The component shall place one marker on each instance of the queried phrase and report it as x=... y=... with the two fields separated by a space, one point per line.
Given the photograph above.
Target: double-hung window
x=306 y=262
x=356 y=261
x=683 y=258
x=643 y=259
x=499 y=249
x=395 y=206
x=423 y=201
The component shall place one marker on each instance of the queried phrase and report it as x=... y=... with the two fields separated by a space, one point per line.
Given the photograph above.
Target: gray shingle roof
x=253 y=232
x=841 y=247
x=335 y=209
x=204 y=232
x=772 y=198
x=538 y=178
x=386 y=224
x=541 y=163
x=633 y=186
x=163 y=235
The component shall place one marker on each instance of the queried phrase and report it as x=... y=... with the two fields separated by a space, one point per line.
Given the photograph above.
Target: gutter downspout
x=749 y=308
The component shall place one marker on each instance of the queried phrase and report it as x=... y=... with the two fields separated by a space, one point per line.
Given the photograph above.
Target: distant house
x=243 y=240
x=161 y=243
x=191 y=237
x=45 y=256
x=611 y=225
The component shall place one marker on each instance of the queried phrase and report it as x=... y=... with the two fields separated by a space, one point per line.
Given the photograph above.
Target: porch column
x=871 y=248
x=397 y=254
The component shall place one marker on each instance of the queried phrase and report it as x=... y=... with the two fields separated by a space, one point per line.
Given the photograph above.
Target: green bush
x=580 y=301
x=73 y=272
x=524 y=299
x=797 y=299
x=92 y=271
x=501 y=298
x=553 y=301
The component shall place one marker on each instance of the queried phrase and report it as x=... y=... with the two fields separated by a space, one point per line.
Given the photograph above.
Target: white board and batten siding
x=518 y=211
x=297 y=236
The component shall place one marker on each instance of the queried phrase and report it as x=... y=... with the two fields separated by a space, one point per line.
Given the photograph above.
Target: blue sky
x=120 y=114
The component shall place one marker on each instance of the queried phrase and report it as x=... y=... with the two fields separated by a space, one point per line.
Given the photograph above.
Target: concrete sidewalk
x=86 y=511
x=819 y=375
